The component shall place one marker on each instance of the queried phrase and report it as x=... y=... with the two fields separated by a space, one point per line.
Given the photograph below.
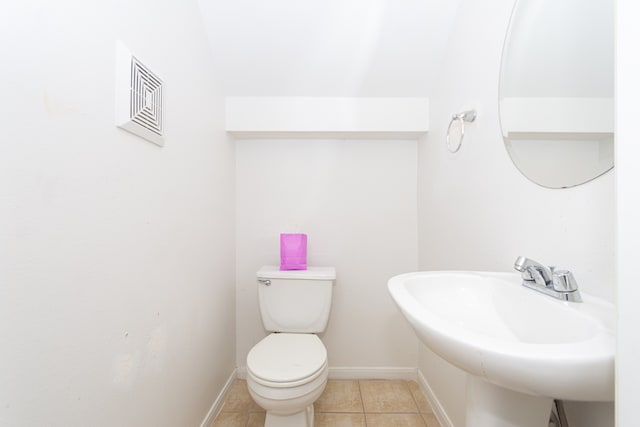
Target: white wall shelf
x=290 y=117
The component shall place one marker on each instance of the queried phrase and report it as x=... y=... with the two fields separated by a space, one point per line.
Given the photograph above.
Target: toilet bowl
x=286 y=373
x=288 y=369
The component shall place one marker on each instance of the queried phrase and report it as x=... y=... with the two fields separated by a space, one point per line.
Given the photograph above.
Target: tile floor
x=344 y=403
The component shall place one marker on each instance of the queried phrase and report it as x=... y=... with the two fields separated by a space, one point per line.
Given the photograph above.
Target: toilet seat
x=287 y=360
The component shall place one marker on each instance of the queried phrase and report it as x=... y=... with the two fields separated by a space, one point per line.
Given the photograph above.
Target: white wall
x=117 y=271
x=628 y=198
x=477 y=212
x=374 y=48
x=356 y=200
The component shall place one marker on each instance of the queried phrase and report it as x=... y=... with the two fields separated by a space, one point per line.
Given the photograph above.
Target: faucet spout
x=521 y=263
x=533 y=271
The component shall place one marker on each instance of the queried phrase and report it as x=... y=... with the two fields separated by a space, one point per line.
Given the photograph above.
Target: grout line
x=415 y=402
x=414 y=398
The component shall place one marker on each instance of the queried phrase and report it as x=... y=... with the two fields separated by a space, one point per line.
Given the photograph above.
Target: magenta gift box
x=293 y=251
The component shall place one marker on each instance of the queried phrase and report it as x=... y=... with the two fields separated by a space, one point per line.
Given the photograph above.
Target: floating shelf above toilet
x=327 y=117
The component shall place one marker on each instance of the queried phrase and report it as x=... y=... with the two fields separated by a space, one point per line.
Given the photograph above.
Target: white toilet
x=287 y=371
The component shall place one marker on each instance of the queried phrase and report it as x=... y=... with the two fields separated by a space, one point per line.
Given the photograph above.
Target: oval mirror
x=556 y=90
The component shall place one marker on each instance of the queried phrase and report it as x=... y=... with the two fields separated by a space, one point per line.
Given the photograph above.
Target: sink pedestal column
x=489 y=405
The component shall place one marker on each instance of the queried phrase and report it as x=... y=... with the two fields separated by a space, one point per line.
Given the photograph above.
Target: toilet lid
x=285 y=358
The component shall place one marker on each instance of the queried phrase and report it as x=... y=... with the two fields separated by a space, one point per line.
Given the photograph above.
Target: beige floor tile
x=423 y=404
x=375 y=403
x=231 y=419
x=256 y=408
x=325 y=419
x=340 y=396
x=256 y=419
x=395 y=420
x=387 y=396
x=431 y=420
x=239 y=399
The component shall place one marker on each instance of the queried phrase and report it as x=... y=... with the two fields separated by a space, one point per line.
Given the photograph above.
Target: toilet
x=287 y=371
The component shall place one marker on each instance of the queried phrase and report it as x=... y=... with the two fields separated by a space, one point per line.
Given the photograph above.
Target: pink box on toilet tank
x=293 y=251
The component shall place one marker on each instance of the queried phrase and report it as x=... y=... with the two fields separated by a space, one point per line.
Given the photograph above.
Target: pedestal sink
x=522 y=348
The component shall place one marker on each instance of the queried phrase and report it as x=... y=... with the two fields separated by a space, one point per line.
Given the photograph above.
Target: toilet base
x=303 y=418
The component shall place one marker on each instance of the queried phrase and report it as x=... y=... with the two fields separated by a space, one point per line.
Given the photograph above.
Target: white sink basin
x=492 y=327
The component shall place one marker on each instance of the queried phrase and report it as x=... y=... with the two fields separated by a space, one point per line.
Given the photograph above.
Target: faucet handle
x=563 y=281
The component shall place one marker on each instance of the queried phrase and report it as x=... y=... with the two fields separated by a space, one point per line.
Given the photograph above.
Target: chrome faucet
x=556 y=283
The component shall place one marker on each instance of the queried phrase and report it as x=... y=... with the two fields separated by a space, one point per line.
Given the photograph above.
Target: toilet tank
x=295 y=300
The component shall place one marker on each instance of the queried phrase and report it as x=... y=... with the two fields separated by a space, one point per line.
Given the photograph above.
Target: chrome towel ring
x=465 y=116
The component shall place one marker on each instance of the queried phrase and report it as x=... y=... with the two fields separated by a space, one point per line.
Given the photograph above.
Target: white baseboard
x=438 y=410
x=217 y=404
